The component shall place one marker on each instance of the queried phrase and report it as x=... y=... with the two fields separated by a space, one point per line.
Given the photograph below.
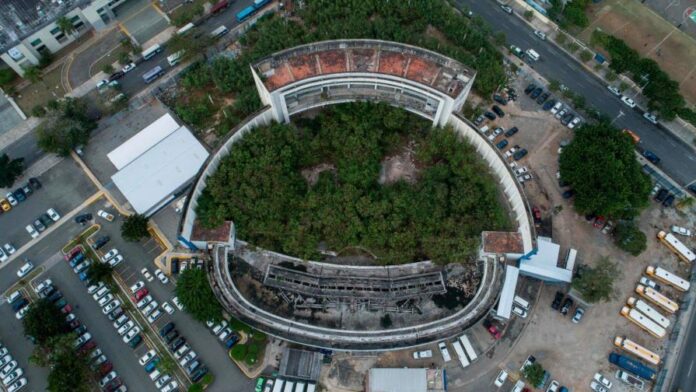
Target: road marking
x=690 y=368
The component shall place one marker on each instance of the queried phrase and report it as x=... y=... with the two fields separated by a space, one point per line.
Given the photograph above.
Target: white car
x=144 y=301
x=189 y=357
x=224 y=334
x=167 y=308
x=681 y=231
x=109 y=255
x=120 y=321
x=131 y=334
x=125 y=327
x=650 y=117
x=97 y=352
x=25 y=269
x=128 y=67
x=10 y=197
x=147 y=274
x=82 y=339
x=116 y=260
x=162 y=381
x=553 y=387
x=523 y=178
x=147 y=357
x=53 y=214
x=170 y=387
x=628 y=101
x=161 y=276
x=521 y=171
x=12 y=376
x=647 y=282
x=519 y=311
x=506 y=8
x=574 y=122
x=70 y=317
x=137 y=286
x=500 y=380
x=111 y=306
x=556 y=107
x=9 y=249
x=216 y=329
x=154 y=316
x=181 y=351
x=5 y=360
x=3 y=256
x=178 y=303
x=105 y=299
x=614 y=90
x=422 y=354
x=22 y=312
x=540 y=34
x=17 y=385
x=106 y=379
x=602 y=380
x=32 y=232
x=102 y=83
x=597 y=387
x=561 y=113
x=100 y=293
x=105 y=215
x=149 y=308
x=510 y=152
x=95 y=287
x=8 y=369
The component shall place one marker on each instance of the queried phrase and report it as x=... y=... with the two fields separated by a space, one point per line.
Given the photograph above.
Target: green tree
x=65 y=25
x=134 y=228
x=528 y=15
x=596 y=283
x=239 y=352
x=10 y=169
x=192 y=46
x=195 y=294
x=107 y=69
x=69 y=372
x=601 y=167
x=33 y=74
x=7 y=76
x=385 y=321
x=629 y=238
x=44 y=321
x=534 y=373
x=65 y=127
x=99 y=272
x=166 y=365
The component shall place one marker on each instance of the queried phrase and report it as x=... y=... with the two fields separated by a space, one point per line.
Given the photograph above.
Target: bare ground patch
x=401 y=166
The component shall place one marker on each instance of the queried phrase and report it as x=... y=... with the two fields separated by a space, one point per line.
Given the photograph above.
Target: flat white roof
x=157 y=173
x=142 y=141
x=398 y=380
x=507 y=294
x=544 y=264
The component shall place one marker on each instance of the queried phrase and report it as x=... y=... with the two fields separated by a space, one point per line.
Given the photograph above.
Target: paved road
x=678 y=159
x=685 y=375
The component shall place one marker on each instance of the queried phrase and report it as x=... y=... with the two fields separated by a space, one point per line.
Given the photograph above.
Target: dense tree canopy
x=195 y=294
x=65 y=127
x=628 y=237
x=10 y=169
x=261 y=186
x=134 y=228
x=602 y=168
x=596 y=283
x=44 y=321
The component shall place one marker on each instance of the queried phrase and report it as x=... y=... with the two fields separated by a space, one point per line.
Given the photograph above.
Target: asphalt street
x=685 y=374
x=678 y=158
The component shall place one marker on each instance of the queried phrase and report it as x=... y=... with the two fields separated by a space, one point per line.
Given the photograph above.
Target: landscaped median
x=249 y=352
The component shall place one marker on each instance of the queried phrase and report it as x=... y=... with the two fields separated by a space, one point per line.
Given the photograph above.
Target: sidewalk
x=678 y=127
x=16 y=133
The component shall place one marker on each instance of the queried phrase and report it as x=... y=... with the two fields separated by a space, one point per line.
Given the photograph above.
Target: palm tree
x=32 y=74
x=65 y=25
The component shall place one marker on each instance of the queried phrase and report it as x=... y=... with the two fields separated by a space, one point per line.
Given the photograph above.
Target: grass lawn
x=650 y=35
x=41 y=92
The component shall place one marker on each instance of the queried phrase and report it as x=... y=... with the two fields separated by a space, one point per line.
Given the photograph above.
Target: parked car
x=567 y=304
x=500 y=99
x=510 y=132
x=128 y=67
x=565 y=120
x=519 y=154
x=681 y=230
x=502 y=144
x=614 y=90
x=500 y=380
x=497 y=110
x=579 y=312
x=561 y=113
x=557 y=299
x=650 y=117
x=83 y=218
x=556 y=107
x=116 y=75
x=542 y=98
x=536 y=93
x=105 y=215
x=548 y=104
x=649 y=155
x=489 y=115
x=628 y=101
x=530 y=87
x=540 y=34
x=574 y=122
x=161 y=276
x=506 y=8
x=100 y=242
x=25 y=269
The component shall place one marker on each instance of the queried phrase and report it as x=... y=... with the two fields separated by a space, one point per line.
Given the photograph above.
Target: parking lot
x=64 y=187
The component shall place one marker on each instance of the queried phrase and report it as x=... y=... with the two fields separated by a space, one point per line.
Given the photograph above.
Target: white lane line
x=691 y=366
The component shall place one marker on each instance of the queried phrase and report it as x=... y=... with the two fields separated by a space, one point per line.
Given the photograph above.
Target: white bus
x=310 y=387
x=278 y=386
x=532 y=54
x=643 y=321
x=185 y=29
x=153 y=74
x=460 y=353
x=219 y=32
x=649 y=311
x=677 y=246
x=667 y=277
x=300 y=387
x=151 y=52
x=289 y=386
x=657 y=298
x=468 y=348
x=637 y=350
x=173 y=59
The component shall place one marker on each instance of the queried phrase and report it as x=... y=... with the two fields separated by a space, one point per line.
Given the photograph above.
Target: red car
x=66 y=309
x=494 y=332
x=105 y=368
x=140 y=294
x=74 y=324
x=73 y=252
x=111 y=386
x=599 y=222
x=87 y=347
x=537 y=214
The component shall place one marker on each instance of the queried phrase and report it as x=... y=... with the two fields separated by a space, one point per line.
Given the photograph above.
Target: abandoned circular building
x=407 y=216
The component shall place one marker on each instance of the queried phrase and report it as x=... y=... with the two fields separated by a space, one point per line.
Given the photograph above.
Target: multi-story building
x=29 y=29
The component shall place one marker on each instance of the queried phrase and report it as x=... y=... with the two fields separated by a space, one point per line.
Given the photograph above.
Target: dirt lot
x=651 y=35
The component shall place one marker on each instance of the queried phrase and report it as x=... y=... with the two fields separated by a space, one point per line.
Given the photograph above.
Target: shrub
x=629 y=238
x=528 y=15
x=585 y=56
x=239 y=351
x=38 y=111
x=107 y=68
x=572 y=47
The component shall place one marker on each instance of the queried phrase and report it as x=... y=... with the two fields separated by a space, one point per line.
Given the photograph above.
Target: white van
x=14 y=296
x=154 y=375
x=484 y=129
x=219 y=32
x=173 y=59
x=532 y=54
x=523 y=303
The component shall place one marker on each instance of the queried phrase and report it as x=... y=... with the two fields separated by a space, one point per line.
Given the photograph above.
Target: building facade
x=29 y=29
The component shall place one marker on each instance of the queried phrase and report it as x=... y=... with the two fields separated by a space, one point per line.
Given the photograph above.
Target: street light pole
x=618 y=116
